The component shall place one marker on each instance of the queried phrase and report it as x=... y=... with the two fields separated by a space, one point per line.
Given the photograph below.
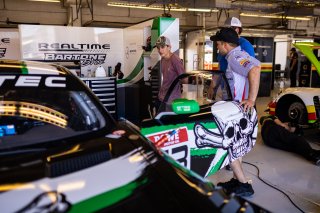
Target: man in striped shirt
x=243 y=75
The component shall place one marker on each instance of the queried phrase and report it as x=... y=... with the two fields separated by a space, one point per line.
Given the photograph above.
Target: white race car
x=298 y=105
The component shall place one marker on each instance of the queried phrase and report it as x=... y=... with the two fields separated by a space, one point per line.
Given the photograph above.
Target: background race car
x=301 y=105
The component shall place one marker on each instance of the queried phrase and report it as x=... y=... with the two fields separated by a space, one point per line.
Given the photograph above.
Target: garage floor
x=278 y=175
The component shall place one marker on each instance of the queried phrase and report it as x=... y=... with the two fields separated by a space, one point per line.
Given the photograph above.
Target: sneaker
x=229 y=185
x=242 y=189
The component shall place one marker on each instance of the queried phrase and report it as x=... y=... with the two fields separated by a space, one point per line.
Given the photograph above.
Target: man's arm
x=254 y=82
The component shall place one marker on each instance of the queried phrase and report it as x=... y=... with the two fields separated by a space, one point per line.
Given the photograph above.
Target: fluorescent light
x=143 y=6
x=199 y=10
x=157 y=7
x=274 y=16
x=202 y=10
x=50 y=1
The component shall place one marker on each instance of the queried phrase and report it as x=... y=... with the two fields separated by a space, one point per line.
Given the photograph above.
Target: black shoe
x=242 y=189
x=229 y=185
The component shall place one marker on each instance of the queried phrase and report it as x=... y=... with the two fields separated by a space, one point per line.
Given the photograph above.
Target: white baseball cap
x=232 y=22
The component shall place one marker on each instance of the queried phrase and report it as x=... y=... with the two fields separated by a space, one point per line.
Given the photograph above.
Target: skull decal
x=235 y=130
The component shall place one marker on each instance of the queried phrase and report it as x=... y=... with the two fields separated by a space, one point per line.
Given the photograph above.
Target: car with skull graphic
x=212 y=130
x=61 y=151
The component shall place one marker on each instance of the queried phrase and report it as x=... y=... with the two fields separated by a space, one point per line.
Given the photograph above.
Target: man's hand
x=211 y=91
x=212 y=87
x=247 y=105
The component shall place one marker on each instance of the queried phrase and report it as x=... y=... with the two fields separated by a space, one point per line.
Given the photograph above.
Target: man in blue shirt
x=245 y=45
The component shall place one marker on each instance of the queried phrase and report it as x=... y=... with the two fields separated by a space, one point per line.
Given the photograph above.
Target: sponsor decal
x=245 y=64
x=170 y=137
x=265 y=53
x=72 y=47
x=5 y=41
x=33 y=81
x=2 y=52
x=88 y=54
x=243 y=61
x=86 y=59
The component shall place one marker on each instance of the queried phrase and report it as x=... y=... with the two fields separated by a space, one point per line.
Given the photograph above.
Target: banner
x=9 y=44
x=92 y=47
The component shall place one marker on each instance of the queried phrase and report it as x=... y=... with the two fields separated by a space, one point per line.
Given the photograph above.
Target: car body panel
x=307 y=49
x=180 y=135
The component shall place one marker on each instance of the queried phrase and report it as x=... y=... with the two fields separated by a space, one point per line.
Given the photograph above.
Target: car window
x=29 y=116
x=203 y=86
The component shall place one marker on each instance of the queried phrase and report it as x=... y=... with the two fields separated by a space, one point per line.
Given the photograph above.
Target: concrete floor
x=278 y=175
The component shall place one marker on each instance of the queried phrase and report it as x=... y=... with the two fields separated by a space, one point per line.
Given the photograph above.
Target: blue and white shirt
x=239 y=65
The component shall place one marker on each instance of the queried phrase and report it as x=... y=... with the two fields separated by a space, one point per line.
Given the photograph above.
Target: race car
x=61 y=151
x=300 y=105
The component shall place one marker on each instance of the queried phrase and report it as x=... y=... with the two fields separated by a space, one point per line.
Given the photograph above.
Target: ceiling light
x=142 y=6
x=275 y=16
x=51 y=1
x=158 y=7
x=202 y=10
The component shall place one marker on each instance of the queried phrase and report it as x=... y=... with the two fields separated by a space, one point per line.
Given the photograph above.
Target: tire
x=297 y=113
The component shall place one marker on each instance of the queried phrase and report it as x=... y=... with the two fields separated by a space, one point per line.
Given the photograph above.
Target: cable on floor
x=258 y=175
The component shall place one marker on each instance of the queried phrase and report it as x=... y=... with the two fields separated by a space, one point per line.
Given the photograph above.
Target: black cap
x=227 y=35
x=293 y=49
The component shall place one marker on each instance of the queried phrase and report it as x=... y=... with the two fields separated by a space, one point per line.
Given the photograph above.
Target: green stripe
x=107 y=199
x=203 y=152
x=266 y=70
x=134 y=72
x=155 y=31
x=165 y=24
x=155 y=129
x=24 y=69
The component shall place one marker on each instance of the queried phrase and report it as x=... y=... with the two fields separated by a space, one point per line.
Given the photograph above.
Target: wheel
x=297 y=113
x=292 y=110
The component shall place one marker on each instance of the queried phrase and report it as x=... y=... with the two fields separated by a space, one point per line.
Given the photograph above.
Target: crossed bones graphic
x=235 y=136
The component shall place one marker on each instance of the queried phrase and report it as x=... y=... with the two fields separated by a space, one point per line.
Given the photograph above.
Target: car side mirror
x=185 y=106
